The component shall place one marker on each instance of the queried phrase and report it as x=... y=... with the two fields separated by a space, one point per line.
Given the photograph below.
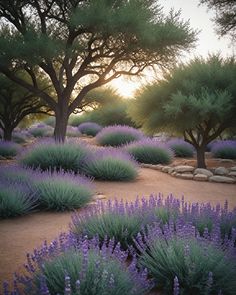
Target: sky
x=208 y=42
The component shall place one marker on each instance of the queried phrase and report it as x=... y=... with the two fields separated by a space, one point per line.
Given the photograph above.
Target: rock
x=167 y=169
x=99 y=197
x=221 y=171
x=200 y=177
x=233 y=173
x=223 y=179
x=184 y=175
x=173 y=173
x=202 y=171
x=158 y=167
x=183 y=168
x=233 y=168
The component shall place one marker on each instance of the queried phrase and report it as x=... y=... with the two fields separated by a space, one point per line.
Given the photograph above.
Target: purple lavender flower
x=8 y=149
x=225 y=149
x=180 y=147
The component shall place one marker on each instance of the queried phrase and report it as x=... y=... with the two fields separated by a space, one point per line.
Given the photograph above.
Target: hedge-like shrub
x=181 y=148
x=80 y=267
x=179 y=260
x=89 y=128
x=118 y=135
x=150 y=152
x=61 y=192
x=111 y=165
x=50 y=156
x=72 y=132
x=8 y=149
x=225 y=149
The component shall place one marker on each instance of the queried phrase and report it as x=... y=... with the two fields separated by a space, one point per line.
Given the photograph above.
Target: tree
x=196 y=100
x=83 y=44
x=15 y=104
x=225 y=15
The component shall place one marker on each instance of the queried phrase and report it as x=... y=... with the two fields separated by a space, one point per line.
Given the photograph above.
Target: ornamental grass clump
x=89 y=128
x=180 y=261
x=181 y=148
x=8 y=149
x=225 y=149
x=118 y=135
x=41 y=130
x=150 y=152
x=61 y=191
x=51 y=156
x=110 y=164
x=16 y=199
x=72 y=267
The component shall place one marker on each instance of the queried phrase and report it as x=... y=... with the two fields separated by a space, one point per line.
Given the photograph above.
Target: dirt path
x=19 y=236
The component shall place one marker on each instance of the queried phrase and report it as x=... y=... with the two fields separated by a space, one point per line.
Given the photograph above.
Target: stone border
x=219 y=174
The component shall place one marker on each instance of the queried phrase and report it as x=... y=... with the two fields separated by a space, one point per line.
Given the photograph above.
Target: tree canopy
x=83 y=44
x=225 y=18
x=197 y=100
x=16 y=103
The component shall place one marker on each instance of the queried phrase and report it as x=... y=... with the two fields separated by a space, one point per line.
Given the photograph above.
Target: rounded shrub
x=150 y=152
x=89 y=128
x=189 y=266
x=61 y=192
x=118 y=135
x=108 y=164
x=15 y=200
x=225 y=149
x=50 y=156
x=19 y=137
x=8 y=149
x=181 y=148
x=71 y=267
x=41 y=130
x=72 y=132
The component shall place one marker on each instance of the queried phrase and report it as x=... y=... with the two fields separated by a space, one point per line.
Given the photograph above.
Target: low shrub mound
x=111 y=165
x=89 y=128
x=41 y=130
x=225 y=149
x=20 y=137
x=150 y=152
x=50 y=156
x=16 y=200
x=8 y=149
x=182 y=263
x=118 y=135
x=72 y=132
x=181 y=148
x=61 y=191
x=80 y=267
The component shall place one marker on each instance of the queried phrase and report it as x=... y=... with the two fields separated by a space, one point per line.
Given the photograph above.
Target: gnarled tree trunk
x=7 y=133
x=61 y=125
x=201 y=157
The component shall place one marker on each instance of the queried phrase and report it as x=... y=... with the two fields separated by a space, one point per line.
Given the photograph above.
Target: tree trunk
x=7 y=133
x=60 y=126
x=201 y=157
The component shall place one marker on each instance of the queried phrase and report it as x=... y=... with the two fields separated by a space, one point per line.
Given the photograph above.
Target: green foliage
x=14 y=202
x=68 y=157
x=150 y=154
x=61 y=194
x=96 y=274
x=109 y=168
x=191 y=262
x=8 y=149
x=122 y=227
x=181 y=148
x=50 y=121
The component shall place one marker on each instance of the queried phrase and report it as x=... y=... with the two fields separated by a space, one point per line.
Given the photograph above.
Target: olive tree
x=83 y=44
x=196 y=100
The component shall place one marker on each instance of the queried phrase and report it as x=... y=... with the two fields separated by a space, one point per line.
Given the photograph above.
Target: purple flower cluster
x=8 y=149
x=180 y=147
x=89 y=128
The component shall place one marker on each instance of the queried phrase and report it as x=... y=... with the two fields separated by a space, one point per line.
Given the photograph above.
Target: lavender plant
x=8 y=149
x=89 y=128
x=62 y=191
x=118 y=135
x=72 y=267
x=182 y=263
x=50 y=156
x=181 y=148
x=16 y=201
x=110 y=164
x=41 y=130
x=72 y=132
x=225 y=149
x=150 y=152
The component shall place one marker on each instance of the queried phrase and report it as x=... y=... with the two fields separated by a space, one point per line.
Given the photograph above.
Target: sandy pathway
x=20 y=235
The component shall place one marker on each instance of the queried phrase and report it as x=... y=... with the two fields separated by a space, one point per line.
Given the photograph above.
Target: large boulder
x=223 y=179
x=200 y=177
x=221 y=171
x=184 y=175
x=184 y=168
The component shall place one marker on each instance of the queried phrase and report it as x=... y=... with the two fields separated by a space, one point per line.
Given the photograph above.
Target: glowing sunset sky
x=208 y=41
